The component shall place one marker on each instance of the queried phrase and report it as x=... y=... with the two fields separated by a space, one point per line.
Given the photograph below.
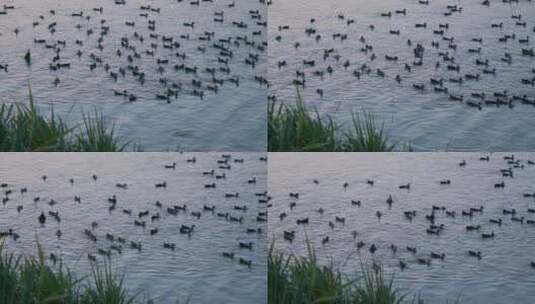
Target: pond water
x=231 y=119
x=503 y=274
x=430 y=120
x=196 y=269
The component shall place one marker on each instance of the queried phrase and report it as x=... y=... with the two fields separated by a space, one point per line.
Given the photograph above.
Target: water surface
x=430 y=120
x=233 y=119
x=195 y=270
x=503 y=275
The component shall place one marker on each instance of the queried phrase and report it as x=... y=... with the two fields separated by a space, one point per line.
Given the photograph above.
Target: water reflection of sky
x=503 y=275
x=195 y=269
x=430 y=120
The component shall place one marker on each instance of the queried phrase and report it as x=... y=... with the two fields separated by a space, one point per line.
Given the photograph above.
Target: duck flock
x=226 y=210
x=430 y=47
x=167 y=54
x=472 y=214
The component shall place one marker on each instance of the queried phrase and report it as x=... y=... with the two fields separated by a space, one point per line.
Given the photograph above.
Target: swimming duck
x=476 y=254
x=407 y=186
x=161 y=185
x=248 y=245
x=172 y=166
x=340 y=219
x=440 y=256
x=423 y=261
x=169 y=245
x=302 y=221
x=487 y=235
x=289 y=235
x=373 y=248
x=245 y=262
x=42 y=218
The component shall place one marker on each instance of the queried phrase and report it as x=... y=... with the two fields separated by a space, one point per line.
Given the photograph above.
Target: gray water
x=231 y=120
x=427 y=119
x=196 y=270
x=503 y=275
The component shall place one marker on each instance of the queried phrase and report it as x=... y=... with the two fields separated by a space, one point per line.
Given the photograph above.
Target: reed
x=302 y=280
x=294 y=129
x=297 y=129
x=32 y=280
x=106 y=286
x=24 y=129
x=95 y=136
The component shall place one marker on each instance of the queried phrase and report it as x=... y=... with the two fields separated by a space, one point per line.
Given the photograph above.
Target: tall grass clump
x=31 y=280
x=294 y=129
x=302 y=280
x=95 y=136
x=24 y=129
x=106 y=287
x=297 y=129
x=365 y=135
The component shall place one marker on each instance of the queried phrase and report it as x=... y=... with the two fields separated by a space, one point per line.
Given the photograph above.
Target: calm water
x=503 y=275
x=231 y=120
x=430 y=119
x=195 y=270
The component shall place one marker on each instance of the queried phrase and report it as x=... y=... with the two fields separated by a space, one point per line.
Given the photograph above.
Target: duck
x=28 y=57
x=161 y=185
x=518 y=219
x=496 y=221
x=248 y=245
x=440 y=256
x=476 y=254
x=187 y=229
x=289 y=235
x=509 y=211
x=423 y=261
x=499 y=185
x=171 y=166
x=42 y=218
x=135 y=245
x=245 y=262
x=302 y=221
x=473 y=227
x=487 y=235
x=229 y=255
x=407 y=186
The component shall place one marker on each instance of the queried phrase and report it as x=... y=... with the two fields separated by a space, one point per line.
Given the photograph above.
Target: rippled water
x=429 y=119
x=231 y=120
x=195 y=270
x=503 y=275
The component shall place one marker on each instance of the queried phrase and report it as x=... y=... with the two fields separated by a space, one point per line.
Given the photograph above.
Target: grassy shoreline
x=29 y=280
x=297 y=129
x=302 y=280
x=24 y=129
